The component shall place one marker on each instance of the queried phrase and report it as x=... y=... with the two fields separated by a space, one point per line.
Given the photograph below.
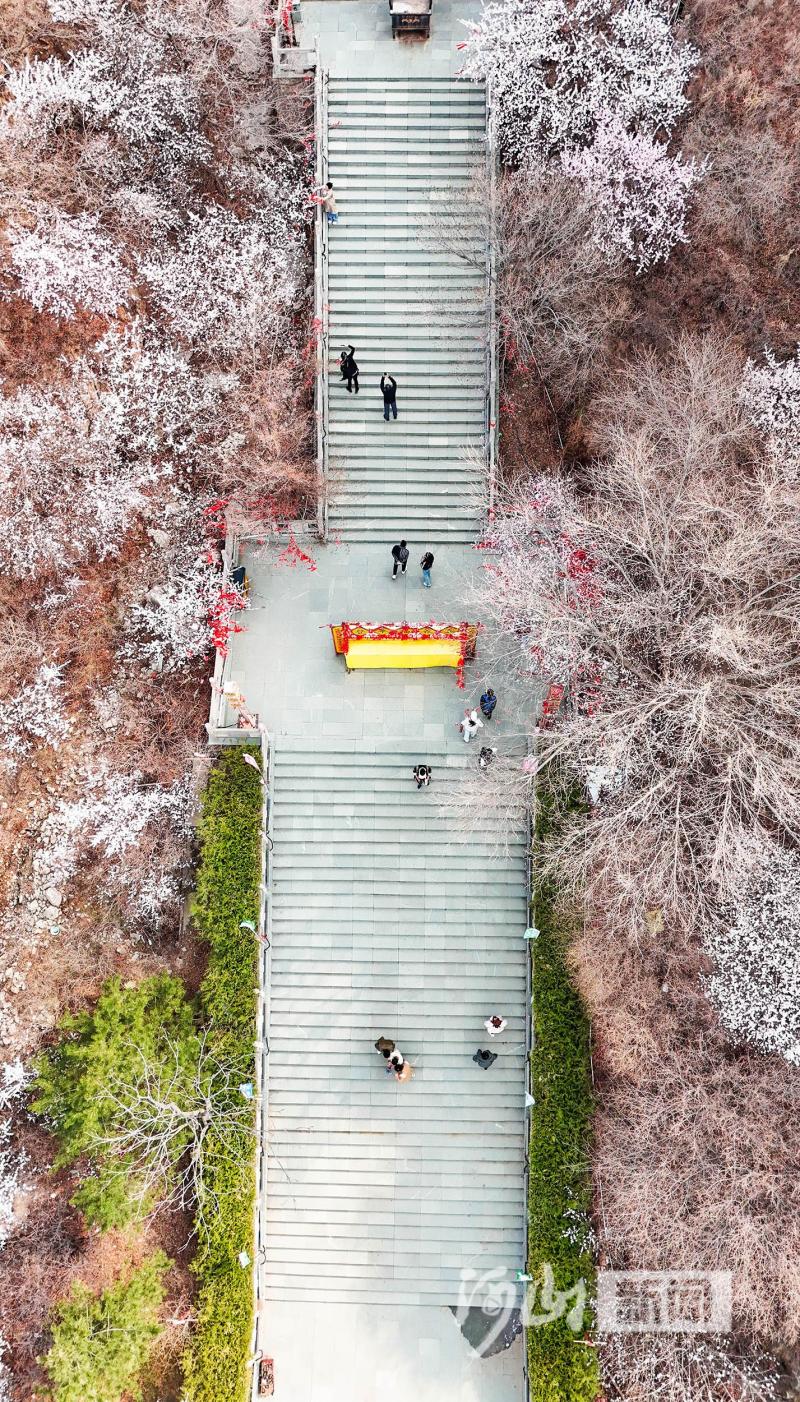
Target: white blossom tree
x=36 y=713
x=64 y=493
x=756 y=952
x=125 y=81
x=66 y=262
x=141 y=832
x=230 y=283
x=14 y=1078
x=555 y=69
x=771 y=392
x=599 y=84
x=638 y=192
x=81 y=461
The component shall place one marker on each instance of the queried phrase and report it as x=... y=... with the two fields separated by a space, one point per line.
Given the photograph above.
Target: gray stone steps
x=442 y=192
x=439 y=419
x=362 y=1099
x=354 y=1244
x=373 y=531
x=399 y=102
x=405 y=256
x=372 y=479
x=438 y=365
x=357 y=969
x=438 y=414
x=401 y=832
x=386 y=918
x=479 y=1116
x=466 y=377
x=406 y=1141
x=391 y=299
x=453 y=138
x=380 y=861
x=443 y=527
x=408 y=486
x=386 y=455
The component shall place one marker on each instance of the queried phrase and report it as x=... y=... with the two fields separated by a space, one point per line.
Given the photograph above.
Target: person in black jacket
x=349 y=368
x=426 y=564
x=389 y=391
x=400 y=557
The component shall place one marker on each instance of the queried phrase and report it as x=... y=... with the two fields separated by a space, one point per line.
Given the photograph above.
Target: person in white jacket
x=470 y=724
x=495 y=1025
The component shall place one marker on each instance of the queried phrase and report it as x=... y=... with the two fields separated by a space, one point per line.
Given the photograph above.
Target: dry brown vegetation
x=144 y=726
x=697 y=1151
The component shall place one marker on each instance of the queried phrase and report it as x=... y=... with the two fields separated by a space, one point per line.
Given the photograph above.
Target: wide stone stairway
x=386 y=1206
x=400 y=154
x=388 y=921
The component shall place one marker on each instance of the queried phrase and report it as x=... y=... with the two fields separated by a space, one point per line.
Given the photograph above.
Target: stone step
x=370 y=526
x=286 y=1289
x=351 y=413
x=408 y=120
x=403 y=258
x=370 y=532
x=410 y=851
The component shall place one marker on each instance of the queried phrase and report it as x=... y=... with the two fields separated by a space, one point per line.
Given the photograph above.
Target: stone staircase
x=388 y=921
x=398 y=151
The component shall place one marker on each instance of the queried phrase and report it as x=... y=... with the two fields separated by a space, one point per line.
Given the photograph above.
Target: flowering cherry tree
x=771 y=392
x=229 y=283
x=141 y=832
x=556 y=69
x=638 y=190
x=34 y=713
x=756 y=981
x=14 y=1078
x=81 y=461
x=599 y=84
x=125 y=81
x=66 y=262
x=192 y=606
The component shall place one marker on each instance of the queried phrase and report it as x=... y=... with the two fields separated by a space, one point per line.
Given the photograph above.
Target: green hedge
x=562 y=1364
x=226 y=894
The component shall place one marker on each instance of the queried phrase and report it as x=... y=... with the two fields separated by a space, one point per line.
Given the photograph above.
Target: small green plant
x=562 y=1364
x=227 y=893
x=102 y=1342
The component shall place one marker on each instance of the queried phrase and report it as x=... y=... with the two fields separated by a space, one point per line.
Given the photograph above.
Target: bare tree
x=560 y=298
x=495 y=800
x=665 y=599
x=685 y=1368
x=749 y=183
x=696 y=1163
x=169 y=1120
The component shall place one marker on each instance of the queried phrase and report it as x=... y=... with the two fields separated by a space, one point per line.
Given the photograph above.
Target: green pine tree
x=101 y=1342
